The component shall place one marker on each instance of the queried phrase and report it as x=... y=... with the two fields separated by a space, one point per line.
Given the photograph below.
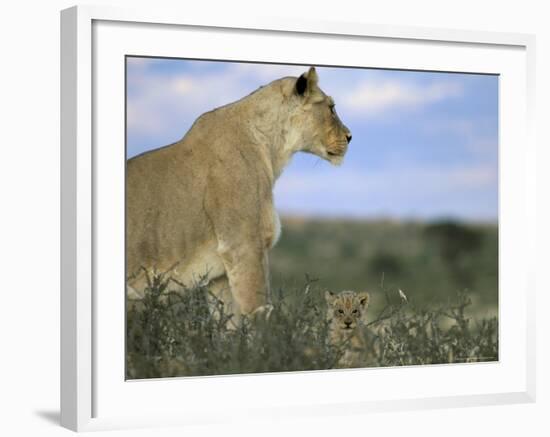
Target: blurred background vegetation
x=429 y=261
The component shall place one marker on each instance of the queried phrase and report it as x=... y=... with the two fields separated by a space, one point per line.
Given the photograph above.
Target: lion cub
x=346 y=314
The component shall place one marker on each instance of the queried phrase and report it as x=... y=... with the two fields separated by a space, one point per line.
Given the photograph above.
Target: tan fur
x=203 y=206
x=346 y=312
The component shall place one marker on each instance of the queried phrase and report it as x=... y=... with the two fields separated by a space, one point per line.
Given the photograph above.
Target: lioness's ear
x=312 y=78
x=329 y=296
x=364 y=298
x=306 y=81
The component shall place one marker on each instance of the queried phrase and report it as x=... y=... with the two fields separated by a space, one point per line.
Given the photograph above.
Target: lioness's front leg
x=247 y=271
x=244 y=256
x=236 y=206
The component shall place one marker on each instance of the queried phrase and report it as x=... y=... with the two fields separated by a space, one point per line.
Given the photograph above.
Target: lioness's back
x=161 y=185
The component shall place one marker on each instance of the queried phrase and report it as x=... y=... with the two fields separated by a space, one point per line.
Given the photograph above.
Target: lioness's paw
x=263 y=311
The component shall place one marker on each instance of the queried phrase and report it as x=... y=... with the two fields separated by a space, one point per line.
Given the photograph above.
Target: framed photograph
x=272 y=218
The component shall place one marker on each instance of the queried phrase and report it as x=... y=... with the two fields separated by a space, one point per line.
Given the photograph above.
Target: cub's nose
x=348 y=323
x=348 y=137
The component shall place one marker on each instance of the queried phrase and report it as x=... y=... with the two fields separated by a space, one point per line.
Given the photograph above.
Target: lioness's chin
x=335 y=160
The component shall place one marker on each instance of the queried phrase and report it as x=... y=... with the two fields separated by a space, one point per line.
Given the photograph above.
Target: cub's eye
x=340 y=311
x=355 y=312
x=332 y=109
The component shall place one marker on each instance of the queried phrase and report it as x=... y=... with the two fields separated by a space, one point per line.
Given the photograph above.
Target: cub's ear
x=329 y=296
x=364 y=298
x=306 y=81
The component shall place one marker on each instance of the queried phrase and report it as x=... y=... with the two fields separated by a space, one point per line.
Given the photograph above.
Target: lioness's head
x=323 y=133
x=346 y=309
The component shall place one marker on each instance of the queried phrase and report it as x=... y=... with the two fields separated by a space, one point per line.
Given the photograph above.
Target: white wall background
x=29 y=214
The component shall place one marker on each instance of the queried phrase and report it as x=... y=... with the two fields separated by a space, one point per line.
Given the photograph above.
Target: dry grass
x=186 y=333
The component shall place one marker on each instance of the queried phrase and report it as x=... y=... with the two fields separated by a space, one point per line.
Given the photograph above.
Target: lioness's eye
x=332 y=109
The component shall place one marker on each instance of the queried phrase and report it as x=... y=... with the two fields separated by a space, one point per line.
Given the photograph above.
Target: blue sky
x=425 y=144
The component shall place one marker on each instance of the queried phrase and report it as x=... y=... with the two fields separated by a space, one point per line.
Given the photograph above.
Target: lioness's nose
x=348 y=137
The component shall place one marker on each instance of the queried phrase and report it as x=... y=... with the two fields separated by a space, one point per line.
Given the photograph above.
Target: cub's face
x=322 y=131
x=346 y=309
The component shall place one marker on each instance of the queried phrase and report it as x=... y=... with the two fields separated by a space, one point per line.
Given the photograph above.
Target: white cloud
x=138 y=63
x=465 y=128
x=480 y=142
x=266 y=72
x=162 y=103
x=428 y=180
x=378 y=97
x=399 y=191
x=183 y=86
x=159 y=103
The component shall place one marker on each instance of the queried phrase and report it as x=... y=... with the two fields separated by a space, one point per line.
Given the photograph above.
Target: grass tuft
x=175 y=331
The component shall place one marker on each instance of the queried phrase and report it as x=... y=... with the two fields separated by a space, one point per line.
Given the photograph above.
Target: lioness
x=203 y=206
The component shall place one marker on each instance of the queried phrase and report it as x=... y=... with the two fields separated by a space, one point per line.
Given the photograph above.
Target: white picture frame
x=94 y=394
